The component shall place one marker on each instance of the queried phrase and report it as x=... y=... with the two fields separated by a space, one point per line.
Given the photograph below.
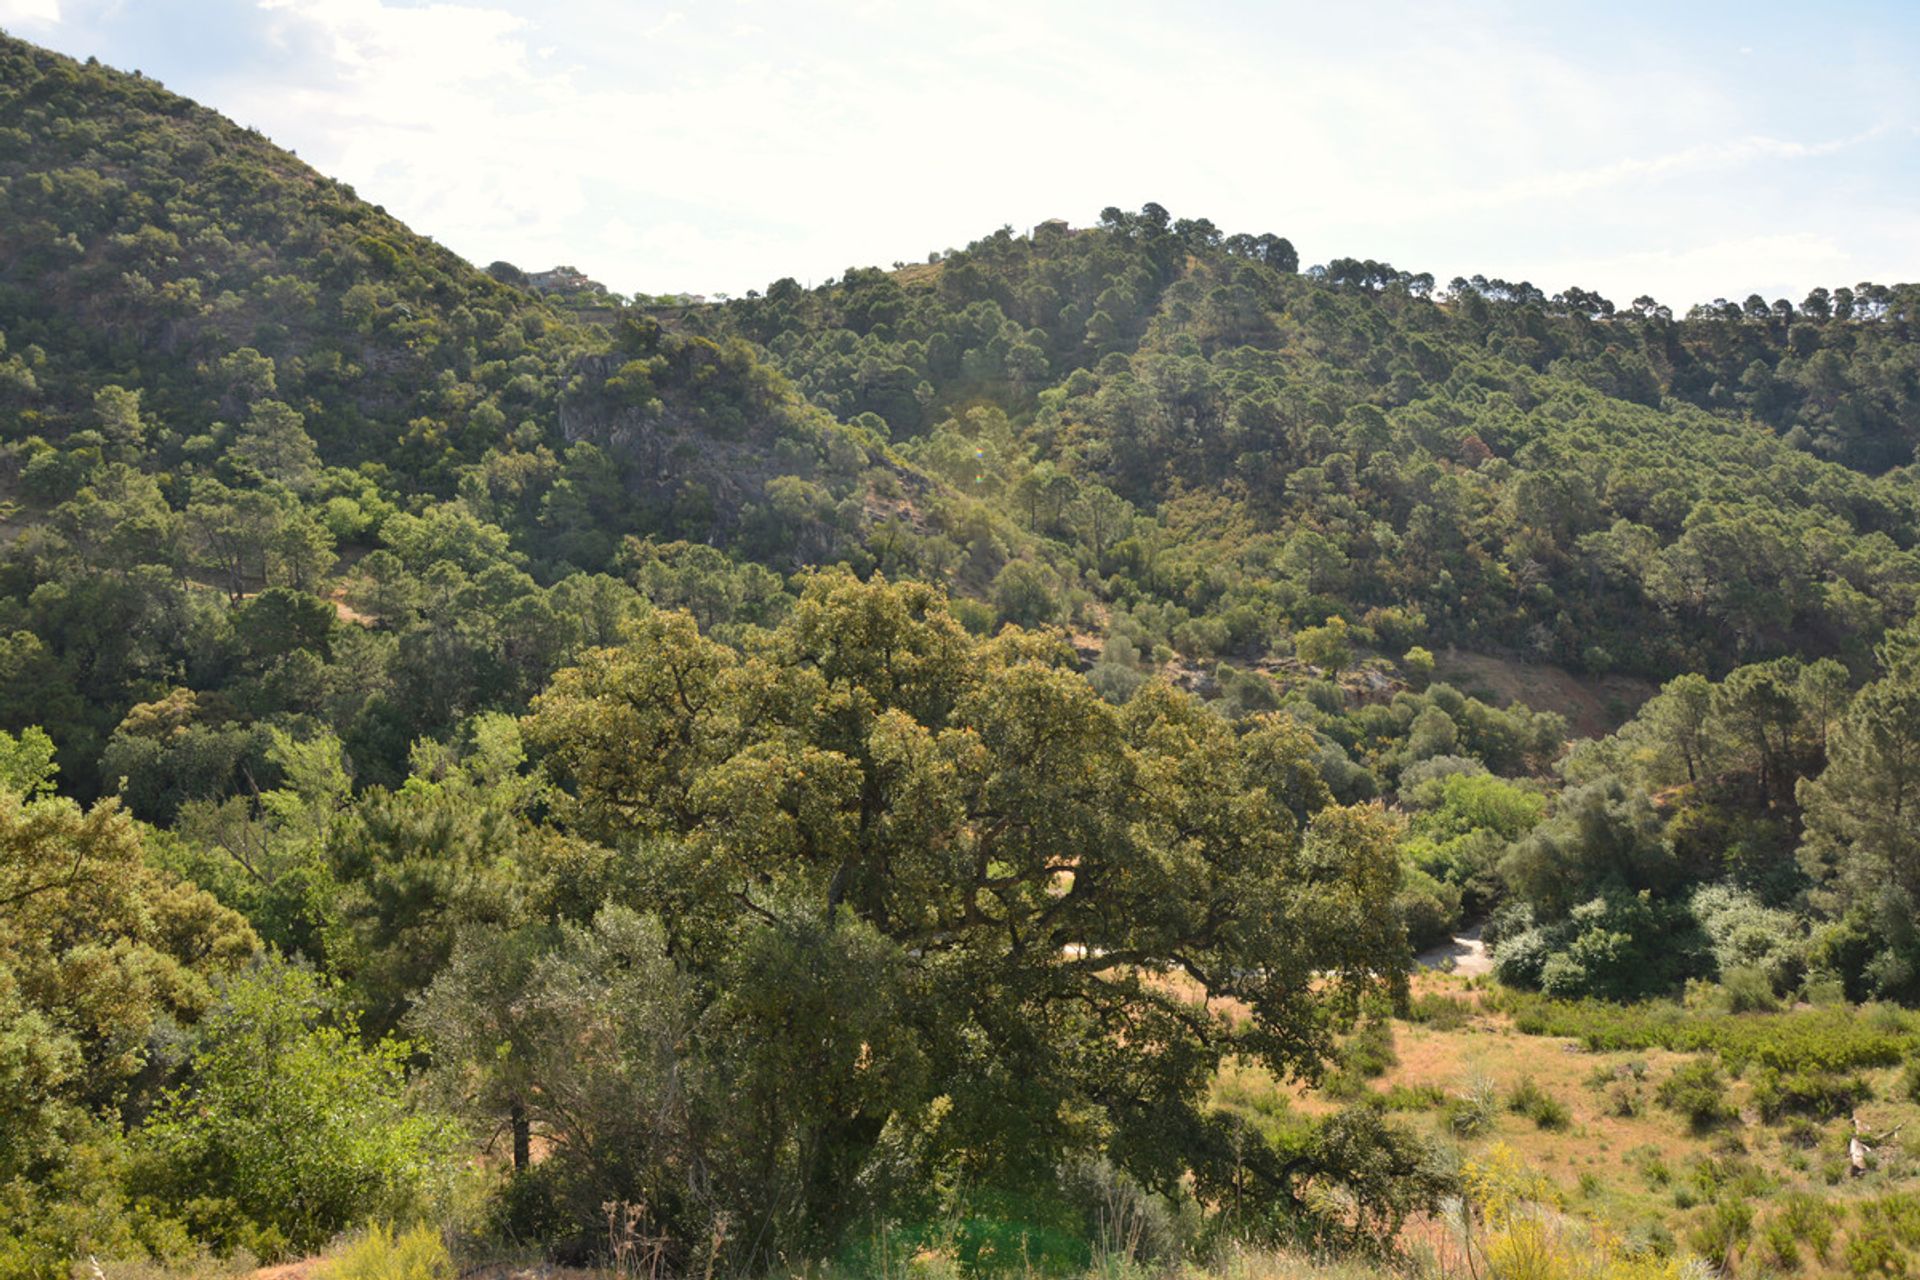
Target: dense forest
x=714 y=787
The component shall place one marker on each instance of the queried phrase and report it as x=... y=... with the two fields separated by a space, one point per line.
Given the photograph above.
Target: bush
x=1801 y=1220
x=1728 y=1225
x=1442 y=1013
x=1831 y=1039
x=1749 y=937
x=1368 y=1052
x=1530 y=1100
x=1429 y=908
x=1823 y=990
x=1910 y=1081
x=1520 y=958
x=1697 y=1091
x=382 y=1254
x=1476 y=1110
x=1415 y=1097
x=1820 y=1095
x=1885 y=1241
x=1748 y=990
x=289 y=1129
x=1616 y=947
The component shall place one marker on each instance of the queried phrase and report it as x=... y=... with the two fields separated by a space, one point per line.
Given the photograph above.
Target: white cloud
x=1704 y=159
x=29 y=13
x=665 y=147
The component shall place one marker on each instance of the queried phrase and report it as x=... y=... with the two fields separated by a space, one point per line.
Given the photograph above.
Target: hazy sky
x=1686 y=150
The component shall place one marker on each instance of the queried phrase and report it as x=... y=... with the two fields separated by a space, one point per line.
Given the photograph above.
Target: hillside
x=944 y=773
x=1611 y=489
x=222 y=375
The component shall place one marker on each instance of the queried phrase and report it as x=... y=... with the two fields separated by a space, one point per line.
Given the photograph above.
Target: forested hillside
x=927 y=765
x=1600 y=487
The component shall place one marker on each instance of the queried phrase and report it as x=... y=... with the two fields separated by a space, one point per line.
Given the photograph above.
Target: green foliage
x=1614 y=947
x=1823 y=1096
x=1698 y=1092
x=1726 y=1229
x=805 y=902
x=1803 y=1040
x=1861 y=844
x=1429 y=908
x=1748 y=990
x=1368 y=1052
x=1439 y=1012
x=1886 y=1236
x=288 y=1127
x=382 y=1253
x=26 y=763
x=1528 y=1099
x=1801 y=1220
x=847 y=827
x=1475 y=1110
x=1327 y=647
x=1766 y=946
x=100 y=954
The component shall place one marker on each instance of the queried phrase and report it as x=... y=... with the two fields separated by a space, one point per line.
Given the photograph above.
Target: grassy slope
x=1640 y=1172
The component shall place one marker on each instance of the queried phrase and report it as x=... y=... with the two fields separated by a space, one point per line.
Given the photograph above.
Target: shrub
x=1829 y=1039
x=1616 y=946
x=382 y=1254
x=1910 y=1081
x=289 y=1128
x=1530 y=1100
x=1727 y=1226
x=1476 y=1110
x=1368 y=1052
x=1652 y=1167
x=1821 y=1095
x=1750 y=938
x=1442 y=1013
x=1748 y=990
x=1345 y=1086
x=1520 y=958
x=1429 y=908
x=1418 y=1097
x=1823 y=990
x=1885 y=1241
x=1805 y=1220
x=1717 y=1177
x=1697 y=1091
x=1800 y=1132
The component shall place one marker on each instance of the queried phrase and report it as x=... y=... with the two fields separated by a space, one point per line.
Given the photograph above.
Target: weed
x=1476 y=1110
x=381 y=1253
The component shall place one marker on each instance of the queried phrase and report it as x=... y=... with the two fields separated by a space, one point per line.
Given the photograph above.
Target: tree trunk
x=522 y=1138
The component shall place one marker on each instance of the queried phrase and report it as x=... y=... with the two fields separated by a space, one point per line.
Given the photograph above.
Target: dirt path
x=1465 y=954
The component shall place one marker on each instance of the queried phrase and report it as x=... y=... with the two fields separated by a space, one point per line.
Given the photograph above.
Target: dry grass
x=1642 y=1171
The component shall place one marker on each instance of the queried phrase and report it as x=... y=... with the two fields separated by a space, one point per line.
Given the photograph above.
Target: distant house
x=563 y=280
x=1053 y=226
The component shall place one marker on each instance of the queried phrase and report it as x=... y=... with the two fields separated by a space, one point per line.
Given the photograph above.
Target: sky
x=1685 y=150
